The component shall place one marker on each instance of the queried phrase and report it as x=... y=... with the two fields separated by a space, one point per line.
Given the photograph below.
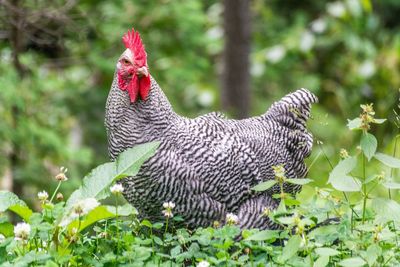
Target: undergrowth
x=352 y=221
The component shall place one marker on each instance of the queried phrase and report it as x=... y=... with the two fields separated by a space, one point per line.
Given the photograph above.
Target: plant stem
x=55 y=191
x=364 y=189
x=117 y=224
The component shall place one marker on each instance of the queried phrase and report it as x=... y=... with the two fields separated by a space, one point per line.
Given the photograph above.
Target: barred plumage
x=207 y=165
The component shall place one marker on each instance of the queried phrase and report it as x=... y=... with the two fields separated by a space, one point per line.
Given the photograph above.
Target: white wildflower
x=307 y=41
x=367 y=69
x=318 y=25
x=61 y=176
x=117 y=189
x=2 y=238
x=275 y=53
x=231 y=219
x=84 y=206
x=43 y=196
x=203 y=264
x=336 y=9
x=22 y=231
x=168 y=206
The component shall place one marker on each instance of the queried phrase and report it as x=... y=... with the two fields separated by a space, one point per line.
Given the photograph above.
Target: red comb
x=132 y=41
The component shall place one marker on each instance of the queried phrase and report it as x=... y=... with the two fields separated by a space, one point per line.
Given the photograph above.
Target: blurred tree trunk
x=235 y=75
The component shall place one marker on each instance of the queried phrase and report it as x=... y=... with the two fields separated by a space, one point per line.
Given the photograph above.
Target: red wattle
x=144 y=87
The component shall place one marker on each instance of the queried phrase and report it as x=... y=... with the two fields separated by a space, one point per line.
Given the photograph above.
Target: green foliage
x=362 y=230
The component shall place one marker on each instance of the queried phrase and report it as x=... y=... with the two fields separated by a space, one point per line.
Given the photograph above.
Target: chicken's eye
x=125 y=61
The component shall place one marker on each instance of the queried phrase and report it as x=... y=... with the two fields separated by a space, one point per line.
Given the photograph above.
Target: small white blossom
x=84 y=206
x=336 y=9
x=2 y=238
x=117 y=189
x=203 y=264
x=275 y=53
x=307 y=41
x=61 y=176
x=43 y=196
x=22 y=231
x=231 y=219
x=367 y=69
x=318 y=25
x=169 y=205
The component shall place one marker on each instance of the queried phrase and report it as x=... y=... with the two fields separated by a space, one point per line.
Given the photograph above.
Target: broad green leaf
x=352 y=262
x=264 y=235
x=291 y=248
x=368 y=145
x=10 y=201
x=346 y=183
x=125 y=210
x=6 y=229
x=327 y=251
x=97 y=182
x=97 y=214
x=21 y=210
x=322 y=261
x=343 y=167
x=129 y=162
x=391 y=185
x=388 y=160
x=354 y=124
x=264 y=185
x=299 y=181
x=386 y=210
x=146 y=223
x=372 y=254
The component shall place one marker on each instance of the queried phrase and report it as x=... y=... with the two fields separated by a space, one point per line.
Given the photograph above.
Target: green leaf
x=372 y=254
x=343 y=167
x=290 y=249
x=264 y=185
x=388 y=160
x=352 y=262
x=322 y=261
x=264 y=235
x=10 y=201
x=391 y=185
x=97 y=214
x=6 y=229
x=21 y=210
x=96 y=183
x=299 y=181
x=379 y=121
x=354 y=124
x=368 y=145
x=125 y=210
x=346 y=183
x=386 y=210
x=146 y=223
x=130 y=161
x=327 y=251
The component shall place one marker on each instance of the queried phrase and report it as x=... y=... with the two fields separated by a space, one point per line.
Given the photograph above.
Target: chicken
x=206 y=165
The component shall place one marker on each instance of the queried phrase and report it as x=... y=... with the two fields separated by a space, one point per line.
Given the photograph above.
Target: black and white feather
x=207 y=165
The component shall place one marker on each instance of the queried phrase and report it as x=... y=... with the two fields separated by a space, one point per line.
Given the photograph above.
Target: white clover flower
x=43 y=196
x=169 y=205
x=2 y=238
x=367 y=69
x=84 y=206
x=318 y=25
x=117 y=189
x=275 y=53
x=61 y=177
x=22 y=231
x=203 y=264
x=231 y=219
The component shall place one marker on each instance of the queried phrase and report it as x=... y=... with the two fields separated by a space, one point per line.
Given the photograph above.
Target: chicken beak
x=142 y=72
